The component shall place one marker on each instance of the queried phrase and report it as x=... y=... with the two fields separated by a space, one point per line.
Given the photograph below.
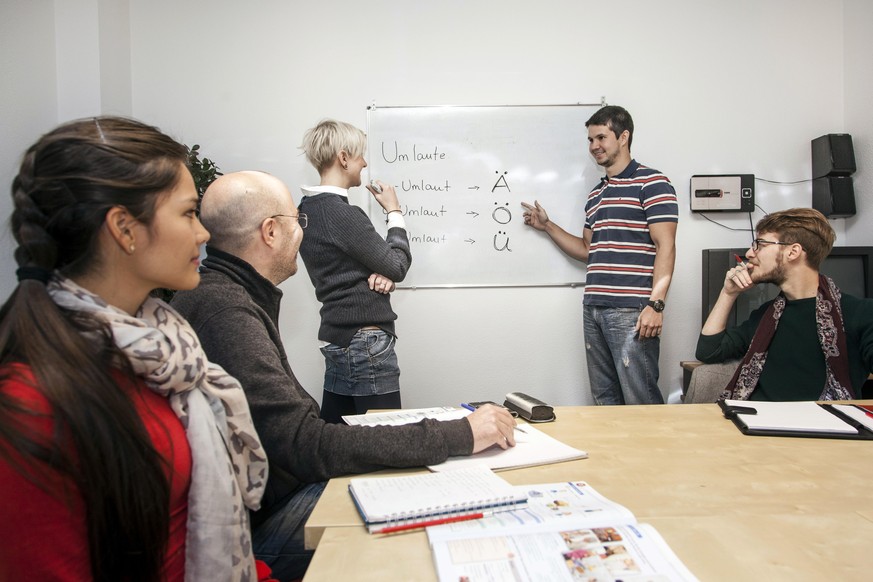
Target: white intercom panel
x=723 y=193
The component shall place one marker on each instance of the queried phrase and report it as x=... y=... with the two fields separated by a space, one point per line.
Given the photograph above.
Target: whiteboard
x=461 y=173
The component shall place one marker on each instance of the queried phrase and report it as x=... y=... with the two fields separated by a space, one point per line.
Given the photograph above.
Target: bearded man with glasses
x=811 y=342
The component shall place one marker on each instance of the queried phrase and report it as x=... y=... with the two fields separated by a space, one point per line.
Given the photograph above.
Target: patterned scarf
x=229 y=466
x=831 y=336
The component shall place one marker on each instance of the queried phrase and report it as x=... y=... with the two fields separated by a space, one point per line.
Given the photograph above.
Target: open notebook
x=568 y=531
x=533 y=447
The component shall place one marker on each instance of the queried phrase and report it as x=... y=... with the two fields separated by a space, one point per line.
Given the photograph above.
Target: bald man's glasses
x=302 y=219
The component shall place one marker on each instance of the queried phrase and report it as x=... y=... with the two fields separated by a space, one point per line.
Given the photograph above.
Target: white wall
x=713 y=87
x=858 y=47
x=28 y=102
x=58 y=61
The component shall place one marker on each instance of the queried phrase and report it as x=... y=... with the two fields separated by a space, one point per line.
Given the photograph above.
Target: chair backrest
x=708 y=381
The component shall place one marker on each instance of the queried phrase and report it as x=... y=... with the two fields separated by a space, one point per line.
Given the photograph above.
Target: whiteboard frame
x=573 y=284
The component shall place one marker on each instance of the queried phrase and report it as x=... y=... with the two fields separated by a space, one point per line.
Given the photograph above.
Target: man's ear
x=795 y=252
x=624 y=137
x=268 y=231
x=119 y=224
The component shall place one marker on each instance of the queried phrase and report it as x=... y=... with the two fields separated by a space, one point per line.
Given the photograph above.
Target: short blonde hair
x=323 y=142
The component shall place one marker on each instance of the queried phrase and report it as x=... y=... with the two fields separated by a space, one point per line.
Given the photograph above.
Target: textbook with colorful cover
x=567 y=531
x=385 y=502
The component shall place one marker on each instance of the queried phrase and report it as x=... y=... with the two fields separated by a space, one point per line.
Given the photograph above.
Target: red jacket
x=44 y=534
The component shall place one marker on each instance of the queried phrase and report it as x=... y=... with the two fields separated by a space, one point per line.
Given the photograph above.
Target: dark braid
x=66 y=184
x=35 y=247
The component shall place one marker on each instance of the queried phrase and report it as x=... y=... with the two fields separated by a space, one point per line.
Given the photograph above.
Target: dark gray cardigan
x=341 y=249
x=235 y=313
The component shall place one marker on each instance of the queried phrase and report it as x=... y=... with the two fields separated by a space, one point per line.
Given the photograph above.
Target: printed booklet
x=568 y=531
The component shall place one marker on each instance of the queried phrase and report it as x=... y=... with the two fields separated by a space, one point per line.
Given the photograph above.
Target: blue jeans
x=622 y=367
x=366 y=368
x=279 y=540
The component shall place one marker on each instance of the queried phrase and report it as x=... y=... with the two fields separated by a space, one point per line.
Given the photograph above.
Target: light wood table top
x=732 y=507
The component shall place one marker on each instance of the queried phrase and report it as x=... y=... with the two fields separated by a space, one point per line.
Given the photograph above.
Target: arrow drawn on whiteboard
x=472 y=187
x=474 y=213
x=469 y=240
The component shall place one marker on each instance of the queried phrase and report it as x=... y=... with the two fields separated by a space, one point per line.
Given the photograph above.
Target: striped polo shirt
x=619 y=211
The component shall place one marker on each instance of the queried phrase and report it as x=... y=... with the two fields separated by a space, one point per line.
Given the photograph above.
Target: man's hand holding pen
x=739 y=278
x=491 y=425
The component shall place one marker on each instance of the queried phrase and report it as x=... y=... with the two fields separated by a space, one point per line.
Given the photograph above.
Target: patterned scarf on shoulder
x=831 y=336
x=229 y=466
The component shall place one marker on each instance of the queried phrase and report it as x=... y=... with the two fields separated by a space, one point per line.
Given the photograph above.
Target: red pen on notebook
x=424 y=524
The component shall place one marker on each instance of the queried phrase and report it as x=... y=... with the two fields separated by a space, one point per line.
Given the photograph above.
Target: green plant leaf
x=204 y=171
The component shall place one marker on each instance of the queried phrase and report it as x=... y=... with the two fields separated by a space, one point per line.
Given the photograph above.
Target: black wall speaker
x=834 y=196
x=833 y=155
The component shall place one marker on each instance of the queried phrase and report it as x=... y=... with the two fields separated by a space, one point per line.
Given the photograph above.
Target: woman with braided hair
x=124 y=454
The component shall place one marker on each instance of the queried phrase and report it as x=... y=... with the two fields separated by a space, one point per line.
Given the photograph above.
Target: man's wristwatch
x=658 y=305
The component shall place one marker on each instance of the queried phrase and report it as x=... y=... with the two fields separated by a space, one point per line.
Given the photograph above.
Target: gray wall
x=714 y=87
x=28 y=101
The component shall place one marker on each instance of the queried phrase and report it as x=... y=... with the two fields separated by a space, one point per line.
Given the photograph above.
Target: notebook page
x=864 y=416
x=405 y=416
x=532 y=447
x=791 y=416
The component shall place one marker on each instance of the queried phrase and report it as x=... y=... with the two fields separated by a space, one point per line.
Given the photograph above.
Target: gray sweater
x=235 y=312
x=341 y=249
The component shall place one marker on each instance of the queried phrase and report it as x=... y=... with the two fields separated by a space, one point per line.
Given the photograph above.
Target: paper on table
x=791 y=416
x=532 y=447
x=853 y=411
x=405 y=416
x=568 y=532
x=571 y=504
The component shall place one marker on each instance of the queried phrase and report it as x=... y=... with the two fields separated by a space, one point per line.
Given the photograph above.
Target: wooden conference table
x=732 y=507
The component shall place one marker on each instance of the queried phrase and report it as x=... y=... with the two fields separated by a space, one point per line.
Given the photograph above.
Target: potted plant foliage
x=204 y=170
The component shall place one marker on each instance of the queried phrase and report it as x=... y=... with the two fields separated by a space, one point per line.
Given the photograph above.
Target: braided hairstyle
x=67 y=182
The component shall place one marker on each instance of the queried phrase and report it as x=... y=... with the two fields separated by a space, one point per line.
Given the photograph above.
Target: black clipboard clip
x=731 y=412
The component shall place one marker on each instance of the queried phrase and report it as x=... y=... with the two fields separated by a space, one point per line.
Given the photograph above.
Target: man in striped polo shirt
x=629 y=243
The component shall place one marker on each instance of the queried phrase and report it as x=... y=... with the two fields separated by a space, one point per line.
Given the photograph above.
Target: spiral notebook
x=422 y=498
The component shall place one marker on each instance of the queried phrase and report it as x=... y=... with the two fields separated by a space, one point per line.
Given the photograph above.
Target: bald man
x=255 y=235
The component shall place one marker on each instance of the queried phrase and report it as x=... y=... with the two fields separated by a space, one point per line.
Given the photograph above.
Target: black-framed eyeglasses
x=756 y=244
x=301 y=218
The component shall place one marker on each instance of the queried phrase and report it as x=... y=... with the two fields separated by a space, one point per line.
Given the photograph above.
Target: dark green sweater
x=235 y=312
x=795 y=366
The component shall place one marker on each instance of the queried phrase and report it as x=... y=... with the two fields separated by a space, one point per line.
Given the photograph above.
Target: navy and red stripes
x=622 y=254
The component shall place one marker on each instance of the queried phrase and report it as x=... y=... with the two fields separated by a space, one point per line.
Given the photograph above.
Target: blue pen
x=473 y=409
